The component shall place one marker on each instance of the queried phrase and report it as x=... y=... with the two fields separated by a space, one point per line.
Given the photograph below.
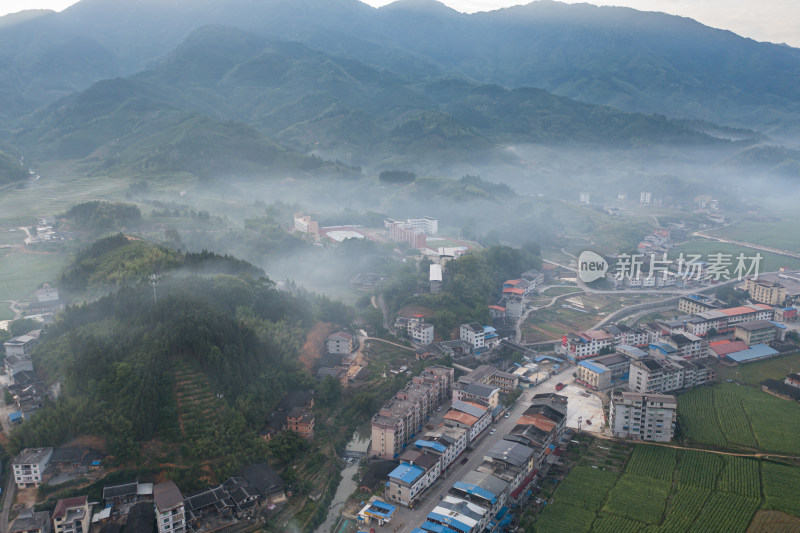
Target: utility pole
x=154 y=282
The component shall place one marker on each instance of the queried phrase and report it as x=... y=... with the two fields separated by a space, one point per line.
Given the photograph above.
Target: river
x=347 y=486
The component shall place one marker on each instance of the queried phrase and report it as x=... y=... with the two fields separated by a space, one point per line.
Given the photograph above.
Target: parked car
x=464 y=460
x=506 y=415
x=492 y=431
x=559 y=386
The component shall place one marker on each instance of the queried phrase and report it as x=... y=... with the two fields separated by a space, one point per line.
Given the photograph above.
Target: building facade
x=643 y=416
x=72 y=515
x=170 y=511
x=765 y=292
x=30 y=465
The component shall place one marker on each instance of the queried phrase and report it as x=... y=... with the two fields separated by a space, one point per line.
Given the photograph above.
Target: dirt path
x=389 y=342
x=717 y=452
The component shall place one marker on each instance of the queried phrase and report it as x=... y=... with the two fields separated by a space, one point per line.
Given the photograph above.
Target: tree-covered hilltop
x=198 y=369
x=117 y=260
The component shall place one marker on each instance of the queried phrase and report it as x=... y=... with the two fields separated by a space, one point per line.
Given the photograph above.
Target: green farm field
x=738 y=417
x=769 y=263
x=663 y=490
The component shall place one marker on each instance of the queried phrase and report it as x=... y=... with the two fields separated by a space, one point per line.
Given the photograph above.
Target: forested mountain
x=133 y=365
x=649 y=62
x=160 y=119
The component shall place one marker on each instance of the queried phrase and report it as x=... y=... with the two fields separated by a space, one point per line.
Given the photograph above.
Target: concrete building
x=304 y=224
x=481 y=392
x=645 y=197
x=696 y=303
x=427 y=225
x=492 y=376
x=766 y=292
x=72 y=515
x=724 y=320
x=22 y=345
x=170 y=511
x=402 y=417
x=485 y=490
x=472 y=333
x=760 y=332
x=403 y=232
x=30 y=465
x=470 y=416
x=446 y=443
x=409 y=480
x=340 y=342
x=29 y=521
x=435 y=278
x=584 y=198
x=512 y=462
x=643 y=416
x=421 y=333
x=14 y=364
x=515 y=306
x=687 y=345
x=301 y=421
x=604 y=372
x=667 y=374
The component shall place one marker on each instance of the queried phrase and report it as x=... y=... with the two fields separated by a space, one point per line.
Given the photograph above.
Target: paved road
x=406 y=520
x=8 y=499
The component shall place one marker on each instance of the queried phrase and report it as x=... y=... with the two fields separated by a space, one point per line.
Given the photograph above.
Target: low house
x=14 y=364
x=266 y=481
x=127 y=493
x=31 y=522
x=213 y=500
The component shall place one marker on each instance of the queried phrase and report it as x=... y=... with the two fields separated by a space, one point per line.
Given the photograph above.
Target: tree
x=23 y=326
x=329 y=392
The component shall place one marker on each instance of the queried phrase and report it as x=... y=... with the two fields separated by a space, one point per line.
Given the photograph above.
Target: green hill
x=214 y=346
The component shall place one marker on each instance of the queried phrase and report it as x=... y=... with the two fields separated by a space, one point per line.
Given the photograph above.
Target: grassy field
x=666 y=491
x=22 y=272
x=739 y=417
x=755 y=373
x=774 y=234
x=769 y=263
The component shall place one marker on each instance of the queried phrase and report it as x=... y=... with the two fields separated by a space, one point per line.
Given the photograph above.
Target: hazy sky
x=766 y=20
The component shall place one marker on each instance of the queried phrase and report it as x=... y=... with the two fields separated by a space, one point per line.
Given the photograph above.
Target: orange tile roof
x=743 y=310
x=497 y=308
x=464 y=418
x=538 y=420
x=513 y=290
x=512 y=282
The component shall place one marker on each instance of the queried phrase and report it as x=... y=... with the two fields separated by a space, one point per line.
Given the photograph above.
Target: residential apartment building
x=471 y=416
x=403 y=232
x=30 y=465
x=480 y=392
x=435 y=278
x=515 y=306
x=421 y=333
x=766 y=292
x=643 y=416
x=512 y=462
x=604 y=372
x=304 y=224
x=427 y=225
x=670 y=373
x=170 y=511
x=696 y=303
x=402 y=417
x=759 y=332
x=446 y=443
x=340 y=342
x=687 y=345
x=72 y=515
x=472 y=333
x=409 y=480
x=724 y=320
x=492 y=376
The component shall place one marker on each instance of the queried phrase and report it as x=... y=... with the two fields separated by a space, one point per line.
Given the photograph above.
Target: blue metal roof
x=592 y=367
x=756 y=351
x=433 y=528
x=16 y=415
x=451 y=522
x=474 y=489
x=664 y=347
x=407 y=473
x=439 y=447
x=778 y=324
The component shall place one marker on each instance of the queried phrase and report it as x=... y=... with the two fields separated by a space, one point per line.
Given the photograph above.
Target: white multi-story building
x=639 y=416
x=170 y=512
x=584 y=198
x=30 y=465
x=470 y=416
x=304 y=224
x=645 y=197
x=687 y=345
x=340 y=342
x=427 y=225
x=421 y=333
x=474 y=334
x=409 y=480
x=724 y=320
x=662 y=375
x=446 y=442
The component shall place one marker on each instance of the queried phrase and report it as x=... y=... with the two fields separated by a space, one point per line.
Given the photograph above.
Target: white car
x=492 y=431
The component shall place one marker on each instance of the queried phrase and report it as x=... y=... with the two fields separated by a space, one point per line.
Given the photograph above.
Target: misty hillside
x=159 y=120
x=636 y=61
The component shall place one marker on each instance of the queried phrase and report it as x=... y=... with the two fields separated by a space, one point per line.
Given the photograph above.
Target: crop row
x=740 y=476
x=638 y=498
x=608 y=523
x=563 y=518
x=686 y=503
x=698 y=417
x=656 y=462
x=729 y=513
x=585 y=487
x=781 y=486
x=699 y=469
x=733 y=418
